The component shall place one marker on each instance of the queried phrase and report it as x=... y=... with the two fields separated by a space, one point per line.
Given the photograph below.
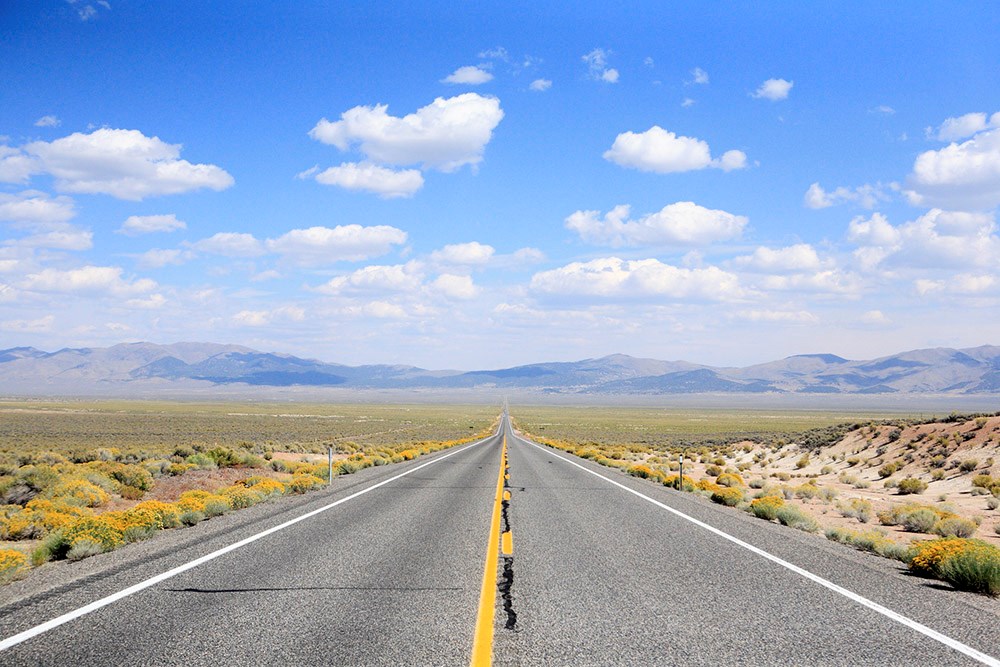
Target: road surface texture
x=586 y=573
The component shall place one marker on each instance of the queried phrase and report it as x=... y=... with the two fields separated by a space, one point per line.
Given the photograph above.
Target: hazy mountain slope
x=149 y=367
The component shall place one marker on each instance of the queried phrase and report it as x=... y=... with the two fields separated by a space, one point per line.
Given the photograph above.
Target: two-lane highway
x=389 y=577
x=608 y=576
x=564 y=562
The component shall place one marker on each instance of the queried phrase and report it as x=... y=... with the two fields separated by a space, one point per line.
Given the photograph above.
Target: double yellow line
x=482 y=644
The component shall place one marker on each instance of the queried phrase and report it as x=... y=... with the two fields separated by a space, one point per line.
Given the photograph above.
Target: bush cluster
x=794 y=517
x=766 y=507
x=857 y=508
x=875 y=541
x=12 y=563
x=727 y=495
x=970 y=565
x=918 y=518
x=59 y=501
x=911 y=485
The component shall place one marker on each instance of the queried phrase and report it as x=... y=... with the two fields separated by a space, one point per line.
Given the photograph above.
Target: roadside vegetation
x=883 y=486
x=60 y=500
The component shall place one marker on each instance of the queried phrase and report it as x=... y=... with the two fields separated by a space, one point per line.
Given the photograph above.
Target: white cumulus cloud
x=383 y=310
x=699 y=76
x=151 y=302
x=963 y=176
x=367 y=177
x=528 y=255
x=866 y=196
x=16 y=166
x=444 y=135
x=230 y=244
x=681 y=223
x=157 y=258
x=799 y=257
x=125 y=164
x=937 y=239
x=774 y=89
x=962 y=127
x=828 y=281
x=664 y=152
x=540 y=85
x=597 y=66
x=616 y=278
x=468 y=75
x=464 y=254
x=65 y=237
x=35 y=208
x=259 y=318
x=455 y=287
x=48 y=121
x=319 y=245
x=396 y=278
x=135 y=225
x=96 y=280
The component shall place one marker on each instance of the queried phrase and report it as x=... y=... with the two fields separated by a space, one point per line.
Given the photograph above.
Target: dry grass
x=840 y=472
x=80 y=479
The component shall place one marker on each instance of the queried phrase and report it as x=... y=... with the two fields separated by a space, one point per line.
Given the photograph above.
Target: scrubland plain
x=882 y=485
x=82 y=478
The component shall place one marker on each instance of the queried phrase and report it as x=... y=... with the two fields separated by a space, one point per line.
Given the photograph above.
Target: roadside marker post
x=680 y=477
x=329 y=461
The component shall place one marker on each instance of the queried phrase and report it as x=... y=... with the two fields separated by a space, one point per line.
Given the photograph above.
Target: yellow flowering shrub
x=166 y=515
x=975 y=569
x=730 y=496
x=103 y=530
x=53 y=514
x=671 y=481
x=643 y=471
x=193 y=501
x=730 y=479
x=875 y=541
x=215 y=505
x=708 y=485
x=928 y=556
x=302 y=483
x=409 y=454
x=264 y=485
x=898 y=514
x=127 y=475
x=11 y=564
x=766 y=507
x=19 y=526
x=81 y=491
x=240 y=496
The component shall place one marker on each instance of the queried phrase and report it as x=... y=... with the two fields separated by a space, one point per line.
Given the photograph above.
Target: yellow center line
x=507 y=544
x=482 y=643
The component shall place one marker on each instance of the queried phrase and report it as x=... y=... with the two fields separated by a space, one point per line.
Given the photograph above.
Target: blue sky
x=472 y=188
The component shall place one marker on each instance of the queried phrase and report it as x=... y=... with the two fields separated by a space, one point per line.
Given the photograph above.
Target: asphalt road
x=598 y=576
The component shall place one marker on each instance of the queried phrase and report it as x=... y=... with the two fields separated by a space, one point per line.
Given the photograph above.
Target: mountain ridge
x=150 y=366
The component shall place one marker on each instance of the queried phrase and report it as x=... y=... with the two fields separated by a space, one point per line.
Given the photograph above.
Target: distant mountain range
x=148 y=368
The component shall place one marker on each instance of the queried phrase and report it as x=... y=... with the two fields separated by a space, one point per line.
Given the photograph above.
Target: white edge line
x=885 y=611
x=152 y=581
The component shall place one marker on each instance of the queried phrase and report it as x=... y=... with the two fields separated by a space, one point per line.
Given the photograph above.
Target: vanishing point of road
x=497 y=552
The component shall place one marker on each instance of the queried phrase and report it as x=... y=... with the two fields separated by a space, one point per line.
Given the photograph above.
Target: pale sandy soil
x=914 y=449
